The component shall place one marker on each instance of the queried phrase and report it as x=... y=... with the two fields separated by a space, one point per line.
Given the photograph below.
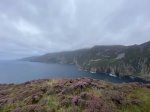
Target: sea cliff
x=117 y=59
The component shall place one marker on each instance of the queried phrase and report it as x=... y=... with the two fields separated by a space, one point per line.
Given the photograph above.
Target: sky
x=36 y=27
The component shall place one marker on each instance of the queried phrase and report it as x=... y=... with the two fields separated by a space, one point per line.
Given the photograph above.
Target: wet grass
x=143 y=95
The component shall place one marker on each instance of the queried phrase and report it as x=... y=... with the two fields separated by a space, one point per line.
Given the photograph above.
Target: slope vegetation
x=74 y=95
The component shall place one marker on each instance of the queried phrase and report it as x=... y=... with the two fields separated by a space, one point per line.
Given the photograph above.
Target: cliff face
x=121 y=60
x=68 y=57
x=74 y=95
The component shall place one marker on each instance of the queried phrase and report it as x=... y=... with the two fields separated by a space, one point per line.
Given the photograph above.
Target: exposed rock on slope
x=74 y=95
x=121 y=60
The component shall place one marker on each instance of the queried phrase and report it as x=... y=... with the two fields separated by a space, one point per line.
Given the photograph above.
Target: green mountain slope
x=117 y=59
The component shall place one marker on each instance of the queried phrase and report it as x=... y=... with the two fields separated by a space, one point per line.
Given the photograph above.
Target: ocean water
x=22 y=71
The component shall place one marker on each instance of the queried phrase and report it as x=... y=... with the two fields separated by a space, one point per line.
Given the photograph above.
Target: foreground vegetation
x=74 y=95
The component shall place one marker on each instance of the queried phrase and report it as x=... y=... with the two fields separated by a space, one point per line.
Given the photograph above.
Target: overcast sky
x=35 y=27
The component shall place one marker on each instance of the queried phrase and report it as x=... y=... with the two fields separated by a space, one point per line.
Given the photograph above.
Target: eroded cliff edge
x=74 y=95
x=117 y=59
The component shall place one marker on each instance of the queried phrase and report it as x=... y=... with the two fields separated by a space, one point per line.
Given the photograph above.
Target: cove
x=22 y=71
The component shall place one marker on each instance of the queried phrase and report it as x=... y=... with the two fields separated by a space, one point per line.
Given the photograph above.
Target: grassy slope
x=74 y=95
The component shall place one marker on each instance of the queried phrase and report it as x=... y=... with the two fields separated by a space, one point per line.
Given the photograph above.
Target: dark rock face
x=73 y=95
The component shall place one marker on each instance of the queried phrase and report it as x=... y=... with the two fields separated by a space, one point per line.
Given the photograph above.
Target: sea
x=14 y=71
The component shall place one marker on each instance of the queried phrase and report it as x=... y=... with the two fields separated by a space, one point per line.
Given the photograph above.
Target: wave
x=112 y=75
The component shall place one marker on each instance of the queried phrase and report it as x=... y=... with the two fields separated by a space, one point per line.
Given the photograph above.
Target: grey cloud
x=35 y=27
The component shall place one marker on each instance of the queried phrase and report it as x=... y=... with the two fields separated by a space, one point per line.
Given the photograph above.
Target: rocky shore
x=74 y=95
